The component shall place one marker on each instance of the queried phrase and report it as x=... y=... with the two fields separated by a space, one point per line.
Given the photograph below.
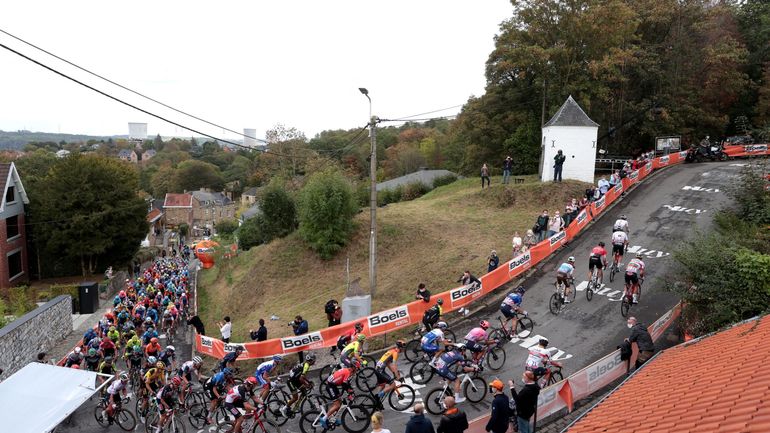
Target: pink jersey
x=476 y=334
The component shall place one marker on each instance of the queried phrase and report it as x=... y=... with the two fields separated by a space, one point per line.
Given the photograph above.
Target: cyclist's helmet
x=623 y=217
x=152 y=360
x=227 y=372
x=123 y=377
x=77 y=349
x=108 y=360
x=360 y=337
x=601 y=244
x=91 y=352
x=239 y=349
x=154 y=340
x=310 y=358
x=400 y=344
x=177 y=380
x=161 y=365
x=197 y=360
x=441 y=325
x=439 y=301
x=75 y=366
x=122 y=294
x=484 y=324
x=638 y=255
x=112 y=329
x=250 y=381
x=520 y=290
x=137 y=349
x=543 y=342
x=277 y=358
x=170 y=348
x=571 y=259
x=359 y=327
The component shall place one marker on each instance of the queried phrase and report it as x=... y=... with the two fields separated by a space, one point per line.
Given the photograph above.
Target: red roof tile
x=177 y=200
x=153 y=215
x=718 y=383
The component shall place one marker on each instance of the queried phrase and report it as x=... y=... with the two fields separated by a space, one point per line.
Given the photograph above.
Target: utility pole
x=372 y=198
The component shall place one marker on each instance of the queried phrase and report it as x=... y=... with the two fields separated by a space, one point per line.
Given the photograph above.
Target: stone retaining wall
x=39 y=330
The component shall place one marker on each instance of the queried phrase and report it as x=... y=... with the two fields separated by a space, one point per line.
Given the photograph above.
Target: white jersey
x=115 y=387
x=619 y=238
x=620 y=224
x=537 y=356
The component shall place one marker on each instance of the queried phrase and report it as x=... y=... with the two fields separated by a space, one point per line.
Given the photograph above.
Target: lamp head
x=363 y=91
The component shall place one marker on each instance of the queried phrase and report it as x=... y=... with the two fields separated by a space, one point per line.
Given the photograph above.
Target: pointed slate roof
x=570 y=114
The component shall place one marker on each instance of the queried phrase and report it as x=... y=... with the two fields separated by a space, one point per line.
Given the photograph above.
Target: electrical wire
x=427 y=112
x=128 y=89
x=90 y=215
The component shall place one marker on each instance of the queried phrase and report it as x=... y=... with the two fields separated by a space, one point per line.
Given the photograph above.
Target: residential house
x=127 y=155
x=178 y=209
x=13 y=236
x=249 y=197
x=62 y=153
x=209 y=208
x=148 y=154
x=157 y=221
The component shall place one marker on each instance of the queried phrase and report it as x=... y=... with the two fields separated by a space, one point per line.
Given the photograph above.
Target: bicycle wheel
x=421 y=372
x=434 y=401
x=176 y=425
x=151 y=423
x=326 y=371
x=366 y=379
x=312 y=402
x=638 y=293
x=197 y=415
x=371 y=362
x=556 y=377
x=413 y=350
x=274 y=404
x=572 y=292
x=402 y=397
x=265 y=426
x=475 y=390
x=101 y=419
x=625 y=305
x=126 y=420
x=449 y=335
x=613 y=270
x=309 y=423
x=496 y=358
x=222 y=415
x=590 y=291
x=524 y=327
x=355 y=419
x=555 y=304
x=498 y=334
x=369 y=402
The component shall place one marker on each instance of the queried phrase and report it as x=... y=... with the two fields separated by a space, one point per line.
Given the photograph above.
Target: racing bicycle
x=123 y=417
x=552 y=374
x=473 y=386
x=627 y=301
x=414 y=346
x=558 y=300
x=399 y=399
x=353 y=418
x=253 y=422
x=524 y=327
x=277 y=397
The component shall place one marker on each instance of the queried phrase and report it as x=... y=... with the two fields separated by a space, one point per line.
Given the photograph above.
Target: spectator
x=467 y=278
x=558 y=164
x=603 y=186
x=555 y=225
x=582 y=204
x=336 y=318
x=590 y=193
x=518 y=244
x=41 y=358
x=575 y=208
x=492 y=261
x=567 y=214
x=422 y=293
x=333 y=312
x=500 y=417
x=530 y=240
x=261 y=333
x=454 y=420
x=300 y=326
x=615 y=178
x=197 y=323
x=643 y=340
x=418 y=423
x=526 y=401
x=541 y=226
x=226 y=329
x=484 y=175
x=625 y=170
x=377 y=421
x=507 y=168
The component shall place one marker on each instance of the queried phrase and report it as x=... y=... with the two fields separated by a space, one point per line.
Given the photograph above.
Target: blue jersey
x=566 y=268
x=432 y=336
x=447 y=359
x=265 y=367
x=218 y=379
x=512 y=300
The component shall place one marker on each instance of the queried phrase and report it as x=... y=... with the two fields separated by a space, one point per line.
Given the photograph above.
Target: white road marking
x=699 y=188
x=650 y=254
x=684 y=209
x=531 y=341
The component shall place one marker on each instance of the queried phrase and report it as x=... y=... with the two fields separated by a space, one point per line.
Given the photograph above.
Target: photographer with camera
x=300 y=326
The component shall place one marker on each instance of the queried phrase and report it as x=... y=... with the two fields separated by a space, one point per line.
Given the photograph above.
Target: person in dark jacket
x=507 y=168
x=542 y=225
x=261 y=333
x=300 y=326
x=466 y=278
x=501 y=417
x=526 y=401
x=493 y=261
x=643 y=340
x=454 y=420
x=197 y=323
x=418 y=423
x=558 y=164
x=422 y=293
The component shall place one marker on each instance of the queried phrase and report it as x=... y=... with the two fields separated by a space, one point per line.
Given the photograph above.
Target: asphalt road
x=662 y=212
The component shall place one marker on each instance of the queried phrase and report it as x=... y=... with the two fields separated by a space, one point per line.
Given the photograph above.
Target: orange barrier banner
x=747 y=150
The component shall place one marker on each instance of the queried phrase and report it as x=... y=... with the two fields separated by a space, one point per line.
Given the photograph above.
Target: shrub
x=279 y=211
x=444 y=180
x=326 y=211
x=362 y=194
x=20 y=301
x=226 y=227
x=251 y=233
x=414 y=190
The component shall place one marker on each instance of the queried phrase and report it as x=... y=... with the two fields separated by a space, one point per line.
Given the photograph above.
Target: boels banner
x=411 y=314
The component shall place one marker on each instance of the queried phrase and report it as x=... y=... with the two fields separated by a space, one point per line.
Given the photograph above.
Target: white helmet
x=441 y=325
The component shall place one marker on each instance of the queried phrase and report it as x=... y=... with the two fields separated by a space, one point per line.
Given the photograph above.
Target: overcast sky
x=243 y=64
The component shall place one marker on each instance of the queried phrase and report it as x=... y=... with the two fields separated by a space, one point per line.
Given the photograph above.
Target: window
x=14 y=265
x=10 y=194
x=12 y=227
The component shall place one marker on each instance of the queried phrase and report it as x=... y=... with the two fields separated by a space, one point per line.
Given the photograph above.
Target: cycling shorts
x=170 y=402
x=507 y=311
x=595 y=262
x=618 y=249
x=632 y=278
x=430 y=349
x=333 y=391
x=187 y=375
x=383 y=377
x=446 y=374
x=346 y=360
x=233 y=408
x=538 y=371
x=474 y=346
x=262 y=382
x=210 y=392
x=294 y=384
x=563 y=278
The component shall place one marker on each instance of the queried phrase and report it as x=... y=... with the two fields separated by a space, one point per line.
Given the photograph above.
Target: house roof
x=125 y=153
x=10 y=176
x=424 y=176
x=250 y=212
x=251 y=191
x=177 y=200
x=150 y=152
x=154 y=215
x=570 y=114
x=714 y=383
x=216 y=198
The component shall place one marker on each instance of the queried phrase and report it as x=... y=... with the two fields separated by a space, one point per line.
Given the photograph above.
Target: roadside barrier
x=411 y=313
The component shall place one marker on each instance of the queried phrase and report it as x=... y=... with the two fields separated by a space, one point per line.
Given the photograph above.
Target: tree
x=157 y=143
x=162 y=181
x=278 y=211
x=88 y=210
x=326 y=211
x=192 y=175
x=250 y=233
x=226 y=227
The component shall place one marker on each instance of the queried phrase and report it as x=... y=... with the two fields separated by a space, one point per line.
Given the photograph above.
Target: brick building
x=178 y=209
x=13 y=236
x=211 y=207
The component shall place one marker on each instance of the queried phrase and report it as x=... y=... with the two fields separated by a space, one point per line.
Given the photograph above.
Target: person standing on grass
x=507 y=168
x=493 y=261
x=454 y=420
x=261 y=333
x=542 y=225
x=377 y=421
x=484 y=175
x=518 y=244
x=226 y=329
x=558 y=164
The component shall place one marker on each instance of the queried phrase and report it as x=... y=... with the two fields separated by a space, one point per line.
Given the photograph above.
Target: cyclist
x=113 y=335
x=168 y=321
x=106 y=367
x=238 y=397
x=634 y=271
x=511 y=306
x=154 y=379
x=340 y=379
x=564 y=276
x=597 y=259
x=229 y=360
x=149 y=332
x=388 y=362
x=262 y=373
x=430 y=342
x=166 y=397
x=432 y=315
x=92 y=359
x=349 y=336
x=453 y=355
x=298 y=382
x=352 y=352
x=215 y=386
x=130 y=344
x=107 y=347
x=153 y=348
x=134 y=357
x=621 y=224
x=619 y=245
x=538 y=356
x=186 y=372
x=74 y=358
x=113 y=398
x=476 y=340
x=168 y=357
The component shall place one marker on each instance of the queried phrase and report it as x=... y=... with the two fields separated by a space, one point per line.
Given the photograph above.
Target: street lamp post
x=372 y=198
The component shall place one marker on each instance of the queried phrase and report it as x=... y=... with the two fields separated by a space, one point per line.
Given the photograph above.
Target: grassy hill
x=432 y=239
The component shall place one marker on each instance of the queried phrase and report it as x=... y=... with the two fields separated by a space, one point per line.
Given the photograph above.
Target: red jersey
x=340 y=376
x=598 y=252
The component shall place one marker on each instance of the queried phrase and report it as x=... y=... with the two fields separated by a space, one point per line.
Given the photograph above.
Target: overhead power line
x=128 y=89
